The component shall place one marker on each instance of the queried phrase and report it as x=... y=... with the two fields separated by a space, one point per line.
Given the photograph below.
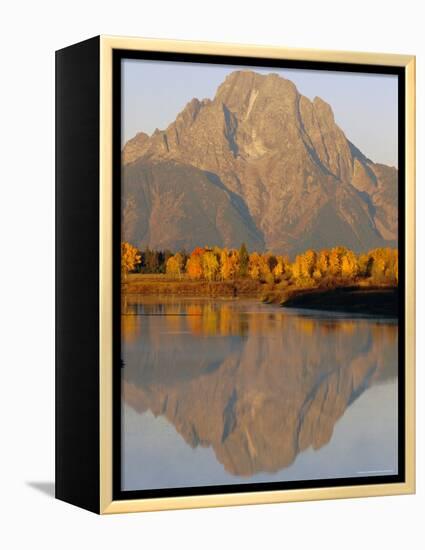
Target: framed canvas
x=234 y=273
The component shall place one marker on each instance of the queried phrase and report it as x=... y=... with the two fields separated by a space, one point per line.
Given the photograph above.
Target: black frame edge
x=77 y=463
x=400 y=477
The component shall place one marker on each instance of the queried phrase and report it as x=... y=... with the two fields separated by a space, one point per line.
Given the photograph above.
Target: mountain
x=259 y=163
x=177 y=206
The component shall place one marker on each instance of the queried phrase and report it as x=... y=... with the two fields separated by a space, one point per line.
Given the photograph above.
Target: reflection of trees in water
x=224 y=318
x=204 y=318
x=272 y=386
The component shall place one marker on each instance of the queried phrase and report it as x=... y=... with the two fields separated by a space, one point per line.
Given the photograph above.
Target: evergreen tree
x=243 y=261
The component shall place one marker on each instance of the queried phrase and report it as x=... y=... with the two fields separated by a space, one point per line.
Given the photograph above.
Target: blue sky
x=365 y=105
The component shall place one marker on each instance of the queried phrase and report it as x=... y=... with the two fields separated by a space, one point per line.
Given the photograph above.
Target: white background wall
x=30 y=31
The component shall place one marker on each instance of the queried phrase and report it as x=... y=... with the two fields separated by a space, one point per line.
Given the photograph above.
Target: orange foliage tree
x=194 y=264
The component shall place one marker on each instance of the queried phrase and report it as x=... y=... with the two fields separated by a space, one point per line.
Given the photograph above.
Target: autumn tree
x=395 y=267
x=308 y=263
x=365 y=262
x=378 y=269
x=322 y=263
x=303 y=268
x=349 y=266
x=265 y=272
x=130 y=258
x=272 y=262
x=175 y=265
x=384 y=267
x=254 y=267
x=194 y=264
x=210 y=265
x=335 y=262
x=281 y=269
x=391 y=267
x=229 y=264
x=297 y=269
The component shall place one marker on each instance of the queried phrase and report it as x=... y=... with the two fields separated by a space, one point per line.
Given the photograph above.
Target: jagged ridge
x=281 y=159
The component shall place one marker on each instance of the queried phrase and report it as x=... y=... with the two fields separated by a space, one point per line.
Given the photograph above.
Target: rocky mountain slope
x=259 y=163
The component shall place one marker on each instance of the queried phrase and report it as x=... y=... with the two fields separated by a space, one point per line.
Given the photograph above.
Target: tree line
x=147 y=261
x=311 y=268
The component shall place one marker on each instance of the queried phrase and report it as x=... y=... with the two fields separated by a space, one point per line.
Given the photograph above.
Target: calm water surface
x=233 y=391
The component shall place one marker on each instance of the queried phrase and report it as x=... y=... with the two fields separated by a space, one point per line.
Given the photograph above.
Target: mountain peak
x=190 y=112
x=323 y=107
x=134 y=147
x=288 y=177
x=249 y=77
x=239 y=85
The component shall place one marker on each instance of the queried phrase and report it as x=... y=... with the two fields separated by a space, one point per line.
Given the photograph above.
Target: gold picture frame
x=105 y=46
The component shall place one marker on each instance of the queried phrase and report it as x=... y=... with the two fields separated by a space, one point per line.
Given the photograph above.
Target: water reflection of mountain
x=259 y=388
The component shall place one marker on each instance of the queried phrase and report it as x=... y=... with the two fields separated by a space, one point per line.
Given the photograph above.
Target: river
x=234 y=391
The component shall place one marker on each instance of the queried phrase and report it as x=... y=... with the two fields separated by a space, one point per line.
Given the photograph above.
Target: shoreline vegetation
x=334 y=280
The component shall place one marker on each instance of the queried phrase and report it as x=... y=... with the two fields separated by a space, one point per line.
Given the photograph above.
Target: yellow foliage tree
x=364 y=264
x=254 y=270
x=391 y=270
x=264 y=266
x=297 y=269
x=280 y=268
x=308 y=263
x=395 y=266
x=210 y=265
x=225 y=267
x=334 y=263
x=322 y=264
x=349 y=266
x=384 y=265
x=174 y=266
x=303 y=269
x=378 y=269
x=130 y=257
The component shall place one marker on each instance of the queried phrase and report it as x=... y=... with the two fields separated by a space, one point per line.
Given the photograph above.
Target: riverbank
x=373 y=300
x=163 y=286
x=382 y=301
